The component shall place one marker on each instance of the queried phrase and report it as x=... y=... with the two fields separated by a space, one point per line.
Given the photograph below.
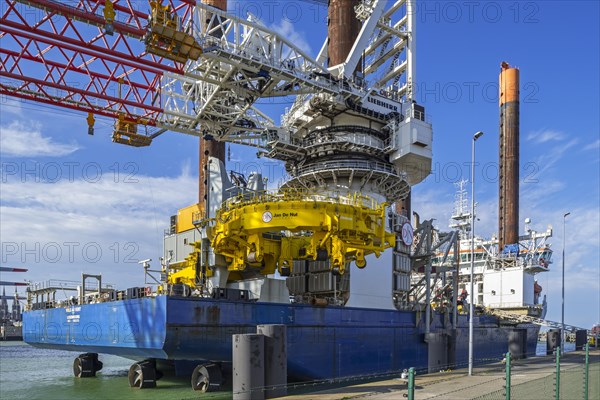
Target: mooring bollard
x=275 y=359
x=248 y=367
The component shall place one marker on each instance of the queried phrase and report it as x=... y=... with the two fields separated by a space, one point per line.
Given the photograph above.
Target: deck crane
x=195 y=69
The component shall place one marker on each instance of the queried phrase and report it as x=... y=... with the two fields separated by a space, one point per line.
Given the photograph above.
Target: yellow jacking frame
x=266 y=232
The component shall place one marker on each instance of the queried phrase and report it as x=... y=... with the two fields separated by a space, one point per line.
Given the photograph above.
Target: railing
x=416 y=114
x=54 y=284
x=345 y=165
x=361 y=139
x=354 y=199
x=514 y=304
x=556 y=376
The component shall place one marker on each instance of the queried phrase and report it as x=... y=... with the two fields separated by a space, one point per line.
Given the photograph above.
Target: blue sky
x=75 y=203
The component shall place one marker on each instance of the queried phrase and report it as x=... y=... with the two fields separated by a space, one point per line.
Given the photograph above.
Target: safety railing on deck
x=54 y=284
x=345 y=165
x=353 y=199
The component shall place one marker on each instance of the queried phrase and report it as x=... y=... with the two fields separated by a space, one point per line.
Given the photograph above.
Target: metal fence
x=578 y=381
x=553 y=377
x=568 y=377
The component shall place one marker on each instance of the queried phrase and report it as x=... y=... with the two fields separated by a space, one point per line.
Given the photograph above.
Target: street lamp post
x=562 y=319
x=472 y=300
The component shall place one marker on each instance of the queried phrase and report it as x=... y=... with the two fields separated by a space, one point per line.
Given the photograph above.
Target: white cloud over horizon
x=26 y=139
x=69 y=227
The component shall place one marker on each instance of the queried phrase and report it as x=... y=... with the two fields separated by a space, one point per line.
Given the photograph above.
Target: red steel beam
x=13 y=269
x=136 y=91
x=115 y=100
x=62 y=57
x=91 y=11
x=109 y=54
x=15 y=56
x=91 y=17
x=57 y=103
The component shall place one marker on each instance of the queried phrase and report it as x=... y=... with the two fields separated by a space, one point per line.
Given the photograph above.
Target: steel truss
x=89 y=55
x=59 y=54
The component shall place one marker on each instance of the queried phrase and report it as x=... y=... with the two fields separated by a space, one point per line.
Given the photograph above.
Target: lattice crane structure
x=145 y=70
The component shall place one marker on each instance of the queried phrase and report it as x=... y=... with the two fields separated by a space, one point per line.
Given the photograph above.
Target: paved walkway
x=485 y=382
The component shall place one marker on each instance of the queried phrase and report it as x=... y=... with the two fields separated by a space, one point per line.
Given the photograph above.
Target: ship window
x=546 y=255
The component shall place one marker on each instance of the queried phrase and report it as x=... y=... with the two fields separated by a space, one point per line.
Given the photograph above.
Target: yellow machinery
x=267 y=232
x=109 y=17
x=90 y=121
x=165 y=37
x=126 y=133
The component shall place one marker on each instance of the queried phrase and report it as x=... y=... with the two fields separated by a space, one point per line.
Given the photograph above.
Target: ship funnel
x=508 y=204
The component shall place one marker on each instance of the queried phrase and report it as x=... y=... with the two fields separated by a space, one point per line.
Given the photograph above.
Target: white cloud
x=553 y=156
x=593 y=146
x=539 y=190
x=286 y=29
x=59 y=230
x=19 y=139
x=582 y=268
x=543 y=136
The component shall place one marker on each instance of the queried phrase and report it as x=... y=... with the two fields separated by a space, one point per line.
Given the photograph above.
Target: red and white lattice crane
x=192 y=68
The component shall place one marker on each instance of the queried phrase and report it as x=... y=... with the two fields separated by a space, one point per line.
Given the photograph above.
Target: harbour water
x=30 y=373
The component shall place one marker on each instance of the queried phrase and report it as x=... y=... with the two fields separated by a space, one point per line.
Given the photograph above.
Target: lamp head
x=477 y=135
x=566 y=215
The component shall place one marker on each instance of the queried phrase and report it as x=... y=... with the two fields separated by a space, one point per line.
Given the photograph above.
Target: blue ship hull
x=323 y=342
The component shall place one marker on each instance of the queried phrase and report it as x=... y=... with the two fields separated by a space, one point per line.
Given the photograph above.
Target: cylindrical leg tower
x=343 y=28
x=208 y=148
x=508 y=211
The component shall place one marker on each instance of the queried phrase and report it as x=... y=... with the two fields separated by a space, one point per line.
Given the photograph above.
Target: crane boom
x=61 y=55
x=88 y=56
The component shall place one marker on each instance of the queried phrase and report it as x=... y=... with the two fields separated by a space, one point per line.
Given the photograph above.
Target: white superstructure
x=503 y=280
